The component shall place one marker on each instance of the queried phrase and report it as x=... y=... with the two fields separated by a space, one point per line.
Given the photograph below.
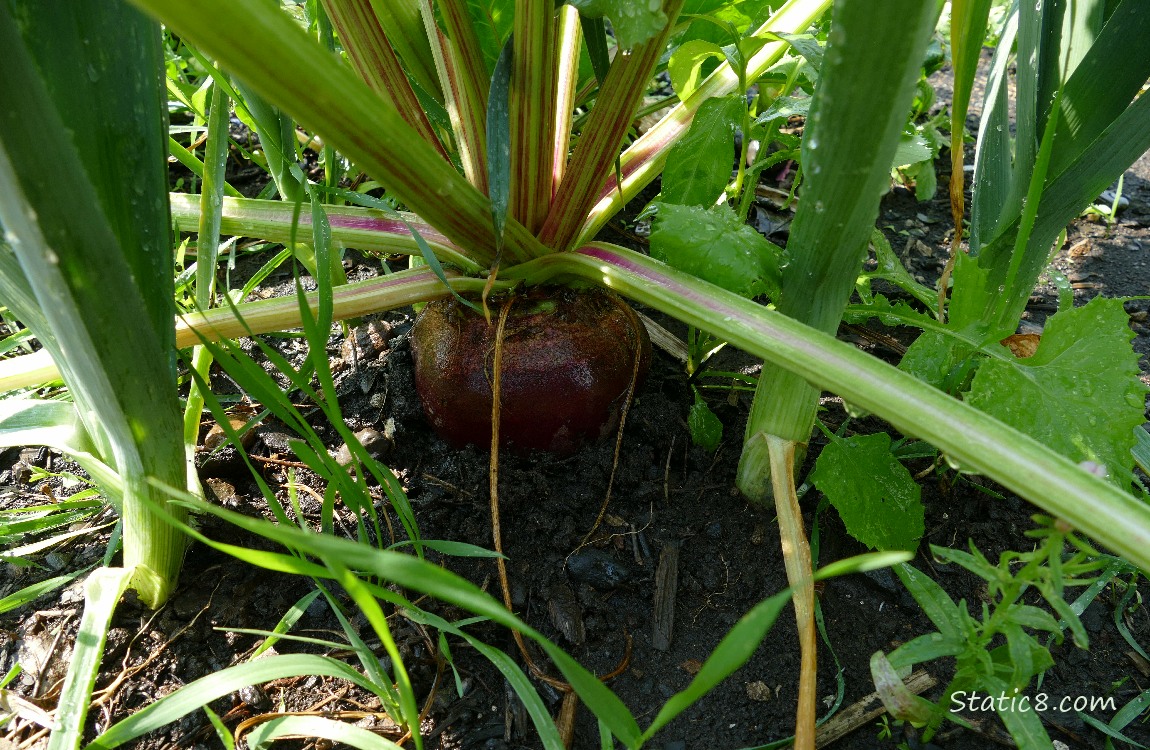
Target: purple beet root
x=568 y=360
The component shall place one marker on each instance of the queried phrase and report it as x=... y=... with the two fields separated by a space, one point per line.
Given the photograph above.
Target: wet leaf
x=706 y=429
x=1062 y=397
x=634 y=21
x=699 y=166
x=714 y=245
x=874 y=494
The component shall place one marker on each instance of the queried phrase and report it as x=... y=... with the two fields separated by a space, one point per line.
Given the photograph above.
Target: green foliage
x=634 y=21
x=706 y=429
x=102 y=592
x=94 y=271
x=685 y=68
x=699 y=166
x=492 y=22
x=713 y=244
x=946 y=362
x=981 y=664
x=1025 y=196
x=1063 y=398
x=877 y=498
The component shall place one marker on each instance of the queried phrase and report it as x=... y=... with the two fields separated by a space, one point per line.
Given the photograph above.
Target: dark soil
x=597 y=599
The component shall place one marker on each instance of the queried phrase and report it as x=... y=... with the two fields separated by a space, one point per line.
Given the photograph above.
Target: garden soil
x=595 y=589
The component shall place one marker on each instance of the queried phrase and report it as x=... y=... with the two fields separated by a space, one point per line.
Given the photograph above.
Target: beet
x=568 y=359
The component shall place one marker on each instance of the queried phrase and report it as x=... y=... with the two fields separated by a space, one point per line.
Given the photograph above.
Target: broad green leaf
x=686 y=64
x=875 y=495
x=634 y=21
x=492 y=22
x=912 y=148
x=890 y=314
x=699 y=166
x=807 y=46
x=940 y=360
x=706 y=429
x=786 y=107
x=715 y=246
x=1063 y=398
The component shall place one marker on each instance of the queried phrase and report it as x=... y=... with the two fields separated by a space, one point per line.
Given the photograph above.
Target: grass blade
x=28 y=594
x=736 y=648
x=316 y=727
x=203 y=691
x=102 y=592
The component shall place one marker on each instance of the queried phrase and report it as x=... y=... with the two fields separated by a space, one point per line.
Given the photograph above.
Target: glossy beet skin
x=568 y=359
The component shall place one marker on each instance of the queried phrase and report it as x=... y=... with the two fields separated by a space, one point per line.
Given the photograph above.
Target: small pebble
x=598 y=568
x=714 y=530
x=373 y=440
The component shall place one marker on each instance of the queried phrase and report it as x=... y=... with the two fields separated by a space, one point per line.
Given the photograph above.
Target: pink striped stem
x=365 y=229
x=463 y=76
x=569 y=42
x=373 y=57
x=598 y=147
x=532 y=104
